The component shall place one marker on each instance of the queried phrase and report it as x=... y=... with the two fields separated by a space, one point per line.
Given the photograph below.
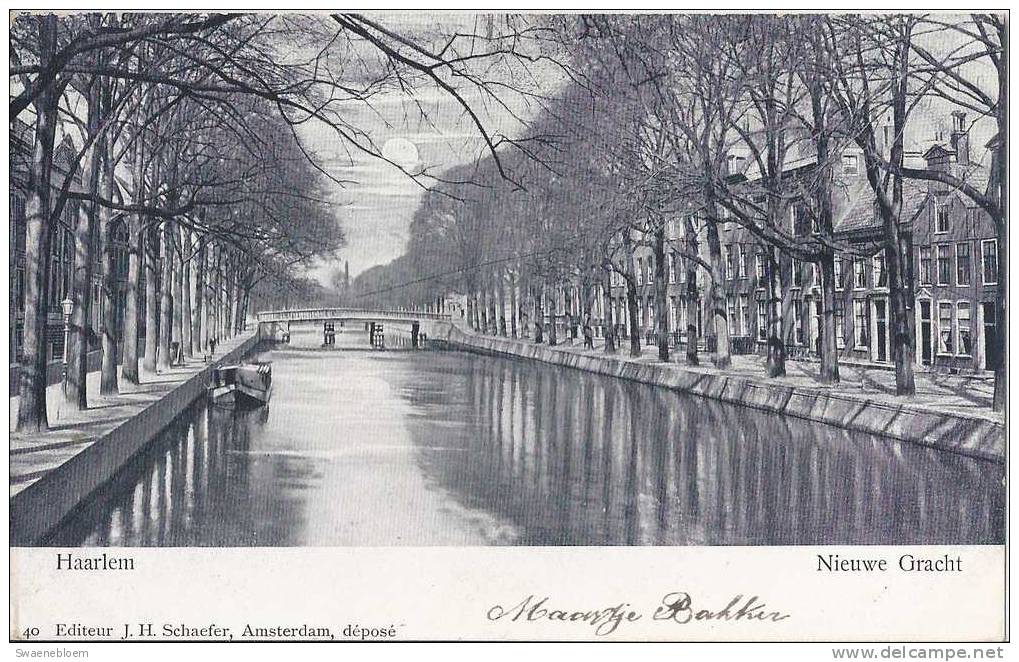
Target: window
x=925 y=265
x=861 y=325
x=673 y=317
x=733 y=320
x=944 y=264
x=672 y=267
x=962 y=264
x=941 y=222
x=989 y=255
x=945 y=345
x=640 y=271
x=744 y=314
x=797 y=267
x=759 y=268
x=815 y=275
x=963 y=329
x=880 y=273
x=762 y=321
x=730 y=264
x=801 y=220
x=838 y=272
x=650 y=312
x=798 y=322
x=851 y=164
x=840 y=325
x=650 y=270
x=742 y=261
x=859 y=274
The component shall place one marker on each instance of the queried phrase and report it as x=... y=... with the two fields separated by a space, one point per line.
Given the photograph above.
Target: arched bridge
x=326 y=327
x=366 y=314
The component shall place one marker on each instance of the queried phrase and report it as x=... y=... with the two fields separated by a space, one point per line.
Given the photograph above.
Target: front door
x=881 y=330
x=926 y=322
x=991 y=353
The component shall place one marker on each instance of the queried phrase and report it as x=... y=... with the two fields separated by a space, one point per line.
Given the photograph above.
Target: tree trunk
x=108 y=379
x=199 y=331
x=775 y=314
x=902 y=297
x=150 y=252
x=75 y=379
x=553 y=327
x=177 y=294
x=829 y=347
x=661 y=298
x=719 y=314
x=76 y=376
x=513 y=304
x=129 y=362
x=692 y=297
x=227 y=309
x=493 y=319
x=608 y=324
x=165 y=303
x=501 y=294
x=32 y=389
x=212 y=279
x=999 y=163
x=185 y=290
x=633 y=314
x=235 y=305
x=539 y=317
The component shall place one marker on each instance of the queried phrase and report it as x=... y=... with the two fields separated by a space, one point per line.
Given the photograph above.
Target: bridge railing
x=304 y=314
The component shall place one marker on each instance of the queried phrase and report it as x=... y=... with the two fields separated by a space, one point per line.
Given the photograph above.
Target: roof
x=938 y=150
x=861 y=214
x=790 y=164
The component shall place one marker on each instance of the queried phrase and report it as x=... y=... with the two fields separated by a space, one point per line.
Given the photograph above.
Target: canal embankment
x=52 y=472
x=937 y=418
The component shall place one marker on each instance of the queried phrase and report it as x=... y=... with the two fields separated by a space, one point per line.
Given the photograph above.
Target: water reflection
x=578 y=459
x=448 y=448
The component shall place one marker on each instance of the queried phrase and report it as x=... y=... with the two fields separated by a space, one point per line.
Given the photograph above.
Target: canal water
x=449 y=448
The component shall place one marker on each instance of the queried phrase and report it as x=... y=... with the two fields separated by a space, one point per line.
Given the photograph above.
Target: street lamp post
x=67 y=307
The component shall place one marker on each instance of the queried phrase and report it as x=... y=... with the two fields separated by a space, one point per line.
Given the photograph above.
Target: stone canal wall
x=969 y=435
x=39 y=507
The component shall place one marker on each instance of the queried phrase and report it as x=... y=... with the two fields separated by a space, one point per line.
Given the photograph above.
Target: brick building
x=61 y=258
x=954 y=269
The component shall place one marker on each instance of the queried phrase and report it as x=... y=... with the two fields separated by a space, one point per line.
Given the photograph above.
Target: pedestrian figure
x=588 y=334
x=212 y=346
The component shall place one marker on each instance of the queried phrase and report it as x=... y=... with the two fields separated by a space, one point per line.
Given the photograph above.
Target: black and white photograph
x=505 y=284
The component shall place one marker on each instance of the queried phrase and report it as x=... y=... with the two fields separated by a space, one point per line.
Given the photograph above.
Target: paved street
x=968 y=395
x=71 y=431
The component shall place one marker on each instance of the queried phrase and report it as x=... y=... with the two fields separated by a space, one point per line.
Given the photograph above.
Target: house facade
x=61 y=258
x=954 y=271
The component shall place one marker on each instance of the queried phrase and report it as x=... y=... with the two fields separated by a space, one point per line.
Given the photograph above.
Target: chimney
x=960 y=138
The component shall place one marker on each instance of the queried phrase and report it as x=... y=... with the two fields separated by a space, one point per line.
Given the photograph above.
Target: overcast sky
x=376 y=211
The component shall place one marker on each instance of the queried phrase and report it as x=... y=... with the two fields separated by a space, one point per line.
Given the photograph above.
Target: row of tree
x=186 y=130
x=648 y=133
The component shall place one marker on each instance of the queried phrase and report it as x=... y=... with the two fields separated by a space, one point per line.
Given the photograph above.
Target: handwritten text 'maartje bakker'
x=677 y=607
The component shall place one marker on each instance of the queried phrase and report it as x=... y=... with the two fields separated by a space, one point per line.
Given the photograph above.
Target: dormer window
x=851 y=164
x=941 y=218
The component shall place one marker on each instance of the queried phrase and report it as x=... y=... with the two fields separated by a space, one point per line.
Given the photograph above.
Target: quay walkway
x=51 y=472
x=950 y=412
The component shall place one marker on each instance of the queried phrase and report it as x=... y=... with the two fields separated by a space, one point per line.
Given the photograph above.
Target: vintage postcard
x=500 y=326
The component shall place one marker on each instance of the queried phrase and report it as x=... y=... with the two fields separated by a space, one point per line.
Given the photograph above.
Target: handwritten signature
x=677 y=607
